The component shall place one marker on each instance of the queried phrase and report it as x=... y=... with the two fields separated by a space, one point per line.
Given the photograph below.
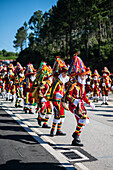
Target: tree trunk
x=67 y=44
x=70 y=45
x=47 y=52
x=86 y=49
x=99 y=41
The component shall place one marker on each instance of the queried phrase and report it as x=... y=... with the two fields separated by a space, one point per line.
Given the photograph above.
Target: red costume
x=95 y=86
x=105 y=85
x=76 y=96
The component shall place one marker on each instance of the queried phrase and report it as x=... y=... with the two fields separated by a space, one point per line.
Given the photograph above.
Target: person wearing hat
x=111 y=76
x=44 y=106
x=10 y=87
x=76 y=96
x=27 y=91
x=105 y=85
x=1 y=81
x=88 y=84
x=19 y=77
x=4 y=75
x=57 y=92
x=1 y=77
x=95 y=86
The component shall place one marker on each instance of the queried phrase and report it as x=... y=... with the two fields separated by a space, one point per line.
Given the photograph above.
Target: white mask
x=104 y=74
x=32 y=78
x=95 y=78
x=63 y=80
x=21 y=74
x=83 y=82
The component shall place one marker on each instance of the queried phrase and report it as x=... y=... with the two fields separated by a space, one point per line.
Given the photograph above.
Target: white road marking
x=42 y=140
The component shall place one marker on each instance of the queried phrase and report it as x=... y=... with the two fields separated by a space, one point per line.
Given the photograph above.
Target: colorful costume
x=111 y=76
x=43 y=85
x=88 y=84
x=76 y=96
x=57 y=92
x=1 y=77
x=28 y=90
x=95 y=86
x=19 y=77
x=9 y=83
x=105 y=85
x=4 y=77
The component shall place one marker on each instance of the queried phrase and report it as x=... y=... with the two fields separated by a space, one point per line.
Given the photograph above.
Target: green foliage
x=70 y=26
x=4 y=55
x=20 y=37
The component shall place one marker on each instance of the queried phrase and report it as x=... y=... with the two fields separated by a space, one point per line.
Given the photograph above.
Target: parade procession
x=51 y=91
x=56 y=85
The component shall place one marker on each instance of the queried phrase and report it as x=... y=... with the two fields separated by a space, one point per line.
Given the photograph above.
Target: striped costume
x=29 y=100
x=57 y=92
x=44 y=106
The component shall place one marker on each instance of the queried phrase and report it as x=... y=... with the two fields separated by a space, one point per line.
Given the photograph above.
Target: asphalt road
x=18 y=150
x=97 y=137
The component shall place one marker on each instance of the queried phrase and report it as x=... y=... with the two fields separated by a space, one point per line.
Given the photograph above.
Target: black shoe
x=75 y=143
x=106 y=103
x=19 y=106
x=76 y=137
x=12 y=100
x=30 y=112
x=103 y=103
x=39 y=121
x=45 y=126
x=6 y=99
x=15 y=105
x=60 y=133
x=25 y=109
x=51 y=133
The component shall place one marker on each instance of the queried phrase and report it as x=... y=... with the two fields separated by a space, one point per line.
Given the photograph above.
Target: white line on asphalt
x=81 y=166
x=43 y=139
x=53 y=152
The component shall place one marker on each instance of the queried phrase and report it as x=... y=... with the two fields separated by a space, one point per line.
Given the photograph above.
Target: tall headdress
x=96 y=73
x=77 y=67
x=44 y=72
x=105 y=70
x=59 y=66
x=30 y=70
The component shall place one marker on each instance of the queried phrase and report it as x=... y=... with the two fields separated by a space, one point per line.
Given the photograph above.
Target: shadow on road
x=100 y=110
x=18 y=165
x=105 y=115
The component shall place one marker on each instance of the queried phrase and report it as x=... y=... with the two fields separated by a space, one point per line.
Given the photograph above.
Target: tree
x=21 y=37
x=4 y=52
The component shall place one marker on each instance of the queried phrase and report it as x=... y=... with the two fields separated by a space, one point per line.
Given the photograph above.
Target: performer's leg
x=48 y=114
x=103 y=96
x=42 y=113
x=59 y=132
x=76 y=134
x=106 y=98
x=47 y=117
x=26 y=101
x=55 y=122
x=103 y=99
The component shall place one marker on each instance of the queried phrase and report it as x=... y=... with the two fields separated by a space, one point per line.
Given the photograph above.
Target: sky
x=13 y=14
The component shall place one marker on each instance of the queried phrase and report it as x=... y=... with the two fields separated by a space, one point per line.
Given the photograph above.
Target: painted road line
x=66 y=164
x=81 y=166
x=44 y=138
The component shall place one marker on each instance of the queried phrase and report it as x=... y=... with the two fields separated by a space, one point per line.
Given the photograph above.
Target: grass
x=8 y=57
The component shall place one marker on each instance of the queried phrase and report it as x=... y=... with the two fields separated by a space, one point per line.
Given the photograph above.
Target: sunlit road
x=97 y=137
